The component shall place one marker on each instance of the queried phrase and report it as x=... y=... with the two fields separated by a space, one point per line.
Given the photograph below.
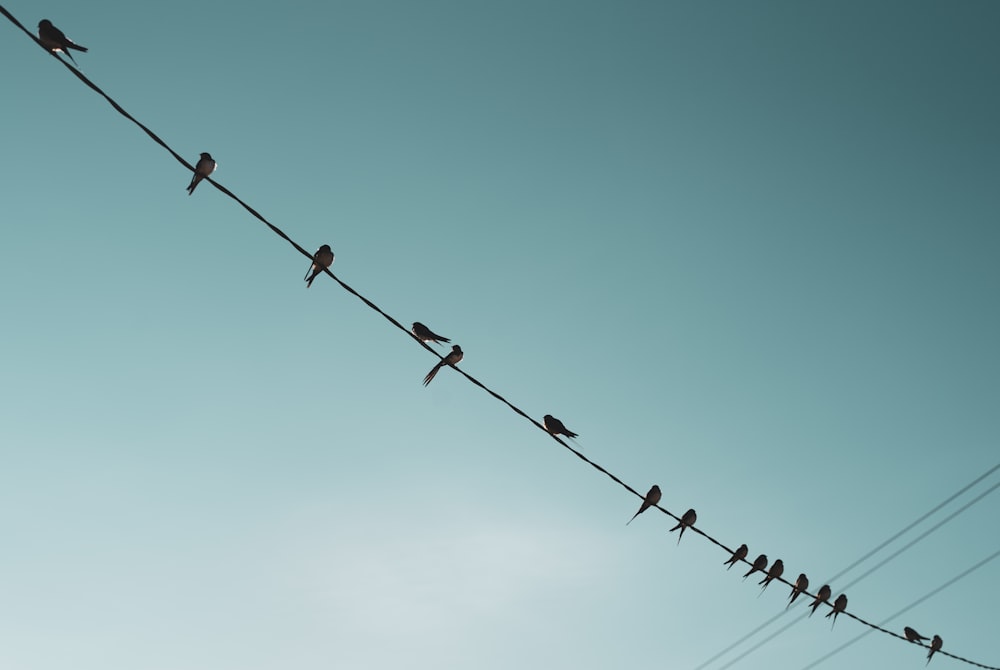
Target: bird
x=652 y=497
x=912 y=635
x=935 y=646
x=205 y=167
x=759 y=564
x=453 y=357
x=839 y=605
x=556 y=427
x=686 y=521
x=54 y=40
x=322 y=259
x=738 y=555
x=821 y=597
x=801 y=584
x=777 y=568
x=425 y=334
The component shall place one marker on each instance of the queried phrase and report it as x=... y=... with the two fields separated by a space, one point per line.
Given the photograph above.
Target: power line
x=925 y=533
x=915 y=523
x=868 y=555
x=747 y=637
x=767 y=639
x=906 y=609
x=398 y=325
x=847 y=644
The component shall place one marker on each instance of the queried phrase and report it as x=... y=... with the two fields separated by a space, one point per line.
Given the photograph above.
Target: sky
x=748 y=251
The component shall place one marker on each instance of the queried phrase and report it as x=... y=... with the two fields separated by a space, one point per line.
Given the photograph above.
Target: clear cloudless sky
x=748 y=250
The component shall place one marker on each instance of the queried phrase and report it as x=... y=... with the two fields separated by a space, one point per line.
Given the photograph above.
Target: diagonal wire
x=396 y=323
x=912 y=542
x=855 y=564
x=79 y=75
x=906 y=609
x=747 y=637
x=769 y=638
x=918 y=521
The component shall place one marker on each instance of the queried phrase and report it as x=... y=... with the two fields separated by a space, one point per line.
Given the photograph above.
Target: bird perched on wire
x=652 y=497
x=935 y=646
x=322 y=259
x=54 y=40
x=686 y=521
x=912 y=635
x=801 y=584
x=777 y=568
x=738 y=555
x=556 y=427
x=759 y=564
x=839 y=605
x=453 y=357
x=205 y=167
x=425 y=334
x=821 y=597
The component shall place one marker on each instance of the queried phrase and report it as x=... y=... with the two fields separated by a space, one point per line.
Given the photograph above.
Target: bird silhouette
x=912 y=635
x=652 y=497
x=777 y=568
x=686 y=521
x=759 y=564
x=738 y=555
x=322 y=259
x=821 y=597
x=425 y=334
x=54 y=40
x=839 y=605
x=935 y=646
x=205 y=167
x=801 y=584
x=453 y=357
x=556 y=427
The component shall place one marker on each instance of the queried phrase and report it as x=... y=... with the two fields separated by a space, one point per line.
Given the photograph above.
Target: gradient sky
x=749 y=251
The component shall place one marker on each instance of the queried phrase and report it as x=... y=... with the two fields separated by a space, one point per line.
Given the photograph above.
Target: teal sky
x=749 y=251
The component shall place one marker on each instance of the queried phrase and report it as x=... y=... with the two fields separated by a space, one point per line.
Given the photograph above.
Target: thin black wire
x=870 y=630
x=156 y=138
x=906 y=609
x=308 y=255
x=396 y=323
x=868 y=555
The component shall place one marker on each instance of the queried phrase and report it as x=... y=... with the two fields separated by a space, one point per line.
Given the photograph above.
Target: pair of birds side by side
x=425 y=334
x=652 y=498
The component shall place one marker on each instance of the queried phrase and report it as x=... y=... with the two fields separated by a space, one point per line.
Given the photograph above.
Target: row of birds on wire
x=55 y=40
x=760 y=564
